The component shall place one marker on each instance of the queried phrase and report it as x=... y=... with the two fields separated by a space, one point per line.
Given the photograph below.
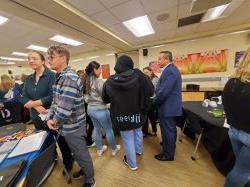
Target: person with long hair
x=9 y=90
x=98 y=110
x=236 y=103
x=89 y=127
x=37 y=97
x=152 y=113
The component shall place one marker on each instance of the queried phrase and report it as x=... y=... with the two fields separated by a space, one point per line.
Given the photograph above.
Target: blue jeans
x=101 y=119
x=132 y=142
x=240 y=174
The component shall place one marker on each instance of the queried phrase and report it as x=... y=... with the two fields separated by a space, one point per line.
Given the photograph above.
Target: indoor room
x=125 y=93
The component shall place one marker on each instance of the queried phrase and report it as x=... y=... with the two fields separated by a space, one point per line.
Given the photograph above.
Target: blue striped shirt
x=67 y=109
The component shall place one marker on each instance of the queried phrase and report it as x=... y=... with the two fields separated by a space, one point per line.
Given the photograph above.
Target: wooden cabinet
x=193 y=96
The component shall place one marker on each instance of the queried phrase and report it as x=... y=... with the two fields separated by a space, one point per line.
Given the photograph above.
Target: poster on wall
x=154 y=66
x=237 y=58
x=105 y=71
x=203 y=62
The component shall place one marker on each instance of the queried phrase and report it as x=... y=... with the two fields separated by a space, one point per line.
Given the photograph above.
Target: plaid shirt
x=67 y=109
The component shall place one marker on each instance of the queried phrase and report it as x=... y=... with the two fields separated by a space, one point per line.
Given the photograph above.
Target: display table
x=215 y=136
x=38 y=163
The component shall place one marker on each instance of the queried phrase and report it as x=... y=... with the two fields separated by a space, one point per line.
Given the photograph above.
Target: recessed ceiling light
x=37 y=48
x=110 y=54
x=140 y=26
x=19 y=54
x=93 y=57
x=3 y=20
x=13 y=59
x=214 y=13
x=65 y=40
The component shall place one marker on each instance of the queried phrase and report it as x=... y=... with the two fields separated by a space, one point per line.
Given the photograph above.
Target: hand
x=51 y=124
x=40 y=110
x=29 y=104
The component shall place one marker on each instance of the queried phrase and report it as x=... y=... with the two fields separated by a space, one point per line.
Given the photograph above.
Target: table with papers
x=29 y=149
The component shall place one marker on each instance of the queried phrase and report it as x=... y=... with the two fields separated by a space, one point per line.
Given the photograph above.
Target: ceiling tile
x=162 y=28
x=86 y=6
x=171 y=12
x=209 y=25
x=118 y=28
x=128 y=10
x=111 y=3
x=186 y=29
x=155 y=6
x=105 y=18
x=166 y=35
x=184 y=10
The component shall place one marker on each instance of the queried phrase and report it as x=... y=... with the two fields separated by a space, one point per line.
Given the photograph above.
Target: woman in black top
x=236 y=102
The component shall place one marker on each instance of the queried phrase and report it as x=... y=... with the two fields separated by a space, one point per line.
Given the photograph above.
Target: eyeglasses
x=51 y=57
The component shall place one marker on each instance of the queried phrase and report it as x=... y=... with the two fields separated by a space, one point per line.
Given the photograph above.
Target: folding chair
x=194 y=123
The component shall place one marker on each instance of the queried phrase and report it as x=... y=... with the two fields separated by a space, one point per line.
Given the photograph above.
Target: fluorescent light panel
x=19 y=54
x=37 y=48
x=110 y=54
x=3 y=20
x=140 y=26
x=93 y=57
x=214 y=13
x=65 y=40
x=13 y=59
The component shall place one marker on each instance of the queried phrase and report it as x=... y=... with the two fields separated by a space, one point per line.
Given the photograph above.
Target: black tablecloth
x=215 y=136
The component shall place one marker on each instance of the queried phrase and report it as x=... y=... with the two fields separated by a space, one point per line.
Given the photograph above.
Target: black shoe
x=161 y=157
x=90 y=184
x=161 y=143
x=78 y=175
x=138 y=154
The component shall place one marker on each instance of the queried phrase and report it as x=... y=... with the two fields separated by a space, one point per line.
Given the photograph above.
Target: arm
x=99 y=86
x=165 y=87
x=25 y=97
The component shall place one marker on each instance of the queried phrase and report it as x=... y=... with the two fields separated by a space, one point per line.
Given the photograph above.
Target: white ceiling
x=35 y=21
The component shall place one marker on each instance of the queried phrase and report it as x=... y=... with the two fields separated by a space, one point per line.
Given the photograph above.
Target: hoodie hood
x=124 y=80
x=123 y=63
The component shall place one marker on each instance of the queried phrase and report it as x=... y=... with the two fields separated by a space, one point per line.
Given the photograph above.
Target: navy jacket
x=168 y=92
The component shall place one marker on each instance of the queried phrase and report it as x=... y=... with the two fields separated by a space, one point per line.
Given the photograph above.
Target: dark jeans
x=152 y=117
x=90 y=128
x=64 y=148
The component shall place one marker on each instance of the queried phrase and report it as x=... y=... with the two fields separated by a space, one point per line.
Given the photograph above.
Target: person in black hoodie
x=236 y=103
x=129 y=92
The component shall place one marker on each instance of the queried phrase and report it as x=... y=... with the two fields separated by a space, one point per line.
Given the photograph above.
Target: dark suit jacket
x=168 y=92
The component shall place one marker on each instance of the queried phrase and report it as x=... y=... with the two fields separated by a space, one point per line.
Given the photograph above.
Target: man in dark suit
x=168 y=100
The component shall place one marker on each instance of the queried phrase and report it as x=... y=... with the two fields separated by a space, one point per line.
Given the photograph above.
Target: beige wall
x=15 y=70
x=233 y=42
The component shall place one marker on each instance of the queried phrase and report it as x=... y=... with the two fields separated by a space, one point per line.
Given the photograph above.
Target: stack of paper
x=29 y=144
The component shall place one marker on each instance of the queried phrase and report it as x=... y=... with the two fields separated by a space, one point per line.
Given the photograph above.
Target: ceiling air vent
x=190 y=20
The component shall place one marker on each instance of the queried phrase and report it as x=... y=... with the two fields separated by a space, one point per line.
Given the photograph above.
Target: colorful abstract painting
x=105 y=71
x=203 y=62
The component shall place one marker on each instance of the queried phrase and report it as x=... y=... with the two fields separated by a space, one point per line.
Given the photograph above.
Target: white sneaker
x=92 y=145
x=114 y=152
x=100 y=152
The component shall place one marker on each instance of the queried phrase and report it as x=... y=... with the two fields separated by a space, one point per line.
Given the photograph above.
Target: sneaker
x=90 y=184
x=92 y=145
x=114 y=152
x=126 y=163
x=100 y=152
x=138 y=154
x=78 y=175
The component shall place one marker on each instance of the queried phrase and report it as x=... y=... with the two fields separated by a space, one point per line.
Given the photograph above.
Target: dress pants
x=168 y=133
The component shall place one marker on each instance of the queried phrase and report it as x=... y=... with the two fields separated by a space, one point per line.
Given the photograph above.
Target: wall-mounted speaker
x=145 y=52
